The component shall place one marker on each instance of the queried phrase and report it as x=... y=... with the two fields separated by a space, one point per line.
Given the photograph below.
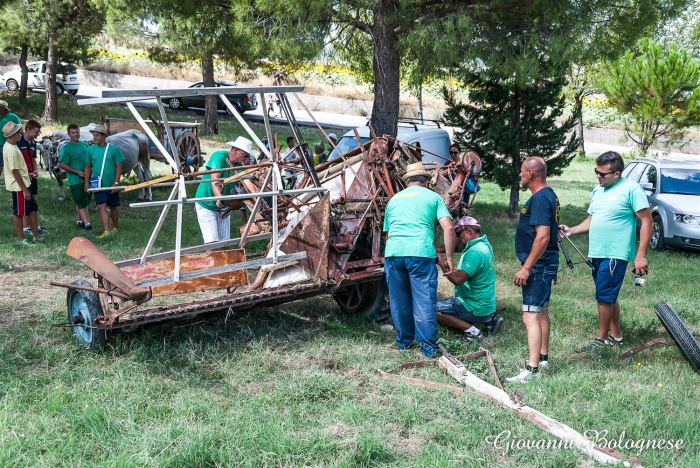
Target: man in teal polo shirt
x=214 y=226
x=616 y=205
x=475 y=285
x=410 y=257
x=71 y=159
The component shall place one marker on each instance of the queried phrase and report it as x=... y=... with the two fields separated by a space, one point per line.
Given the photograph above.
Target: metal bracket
x=646 y=345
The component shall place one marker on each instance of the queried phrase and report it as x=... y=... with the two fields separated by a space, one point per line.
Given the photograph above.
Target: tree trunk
x=578 y=107
x=51 y=108
x=385 y=63
x=517 y=161
x=211 y=114
x=25 y=74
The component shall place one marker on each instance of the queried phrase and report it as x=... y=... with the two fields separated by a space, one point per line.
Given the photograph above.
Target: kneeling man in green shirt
x=475 y=284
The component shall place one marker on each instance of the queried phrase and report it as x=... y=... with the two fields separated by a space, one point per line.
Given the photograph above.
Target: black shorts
x=22 y=206
x=111 y=199
x=34 y=187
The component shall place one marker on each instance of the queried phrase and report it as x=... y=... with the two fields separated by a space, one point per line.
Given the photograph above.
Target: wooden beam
x=148 y=183
x=184 y=92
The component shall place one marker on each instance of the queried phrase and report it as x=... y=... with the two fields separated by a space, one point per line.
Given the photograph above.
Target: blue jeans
x=538 y=289
x=453 y=306
x=412 y=285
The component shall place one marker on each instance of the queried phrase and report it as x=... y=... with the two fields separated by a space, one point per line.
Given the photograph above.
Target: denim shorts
x=538 y=289
x=453 y=306
x=111 y=199
x=608 y=274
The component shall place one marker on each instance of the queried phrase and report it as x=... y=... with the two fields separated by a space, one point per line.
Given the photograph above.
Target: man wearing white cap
x=410 y=257
x=5 y=116
x=17 y=182
x=215 y=226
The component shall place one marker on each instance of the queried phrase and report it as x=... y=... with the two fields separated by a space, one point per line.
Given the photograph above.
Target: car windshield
x=66 y=68
x=680 y=181
x=344 y=145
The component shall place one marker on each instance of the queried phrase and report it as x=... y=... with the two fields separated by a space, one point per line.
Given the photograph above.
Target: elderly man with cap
x=213 y=218
x=17 y=182
x=5 y=117
x=410 y=257
x=475 y=284
x=103 y=168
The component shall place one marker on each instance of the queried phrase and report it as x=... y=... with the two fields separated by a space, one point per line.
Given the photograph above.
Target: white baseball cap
x=333 y=136
x=242 y=144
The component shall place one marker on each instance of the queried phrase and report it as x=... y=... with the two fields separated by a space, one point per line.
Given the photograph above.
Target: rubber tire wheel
x=59 y=90
x=369 y=299
x=12 y=85
x=680 y=333
x=87 y=305
x=176 y=104
x=657 y=235
x=188 y=145
x=74 y=92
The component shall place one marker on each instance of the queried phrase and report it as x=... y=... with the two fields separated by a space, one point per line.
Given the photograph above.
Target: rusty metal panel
x=189 y=263
x=311 y=236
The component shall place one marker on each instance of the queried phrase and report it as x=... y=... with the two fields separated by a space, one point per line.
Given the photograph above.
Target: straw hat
x=242 y=144
x=99 y=129
x=10 y=128
x=4 y=104
x=416 y=169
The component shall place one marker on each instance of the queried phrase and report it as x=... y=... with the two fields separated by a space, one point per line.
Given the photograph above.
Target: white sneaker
x=544 y=363
x=522 y=377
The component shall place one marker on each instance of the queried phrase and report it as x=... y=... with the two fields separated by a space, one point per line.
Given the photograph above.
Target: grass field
x=295 y=385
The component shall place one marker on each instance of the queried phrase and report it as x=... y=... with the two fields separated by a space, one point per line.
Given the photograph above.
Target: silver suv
x=673 y=189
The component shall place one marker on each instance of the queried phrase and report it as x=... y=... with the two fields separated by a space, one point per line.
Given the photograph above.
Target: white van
x=428 y=137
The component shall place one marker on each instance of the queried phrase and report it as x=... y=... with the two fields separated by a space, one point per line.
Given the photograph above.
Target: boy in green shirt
x=104 y=161
x=71 y=159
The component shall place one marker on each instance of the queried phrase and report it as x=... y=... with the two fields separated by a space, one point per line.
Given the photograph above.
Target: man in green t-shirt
x=71 y=159
x=475 y=285
x=616 y=205
x=104 y=160
x=410 y=220
x=5 y=116
x=214 y=226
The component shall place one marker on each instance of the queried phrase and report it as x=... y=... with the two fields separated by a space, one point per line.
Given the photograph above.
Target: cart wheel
x=188 y=152
x=680 y=333
x=83 y=308
x=370 y=299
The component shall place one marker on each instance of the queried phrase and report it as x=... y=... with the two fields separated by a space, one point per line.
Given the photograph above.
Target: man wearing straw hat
x=410 y=259
x=17 y=182
x=5 y=117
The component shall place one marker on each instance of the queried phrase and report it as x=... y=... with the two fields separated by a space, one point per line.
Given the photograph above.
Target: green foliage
x=656 y=86
x=505 y=122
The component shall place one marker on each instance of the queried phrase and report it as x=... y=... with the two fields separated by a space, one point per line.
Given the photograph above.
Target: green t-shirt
x=94 y=157
x=9 y=117
x=75 y=155
x=410 y=218
x=218 y=160
x=613 y=230
x=478 y=293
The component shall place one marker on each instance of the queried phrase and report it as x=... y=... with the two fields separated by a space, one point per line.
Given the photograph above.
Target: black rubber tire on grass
x=91 y=338
x=680 y=333
x=370 y=299
x=658 y=242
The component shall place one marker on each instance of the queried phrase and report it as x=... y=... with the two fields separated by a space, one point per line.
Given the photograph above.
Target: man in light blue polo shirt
x=616 y=204
x=410 y=259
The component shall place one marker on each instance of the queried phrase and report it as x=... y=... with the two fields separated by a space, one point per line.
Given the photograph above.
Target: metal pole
x=178 y=232
x=153 y=138
x=166 y=125
x=254 y=211
x=266 y=118
x=245 y=125
x=241 y=196
x=159 y=224
x=275 y=232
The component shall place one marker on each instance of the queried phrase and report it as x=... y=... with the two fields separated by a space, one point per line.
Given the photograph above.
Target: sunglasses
x=603 y=174
x=454 y=152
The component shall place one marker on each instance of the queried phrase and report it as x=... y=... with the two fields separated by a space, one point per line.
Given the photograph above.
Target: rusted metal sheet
x=311 y=236
x=189 y=263
x=85 y=251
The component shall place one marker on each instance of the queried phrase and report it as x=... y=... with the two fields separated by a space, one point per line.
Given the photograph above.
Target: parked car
x=242 y=102
x=673 y=189
x=66 y=78
x=428 y=137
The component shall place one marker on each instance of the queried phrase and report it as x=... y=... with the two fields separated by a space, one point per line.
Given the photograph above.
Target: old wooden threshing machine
x=324 y=226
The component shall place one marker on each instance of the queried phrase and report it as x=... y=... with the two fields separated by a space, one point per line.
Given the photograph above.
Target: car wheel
x=74 y=92
x=12 y=85
x=59 y=90
x=657 y=235
x=236 y=106
x=175 y=103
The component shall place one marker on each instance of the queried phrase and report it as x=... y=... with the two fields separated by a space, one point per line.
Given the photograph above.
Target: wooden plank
x=217 y=270
x=239 y=175
x=189 y=263
x=191 y=250
x=148 y=183
x=184 y=92
x=120 y=125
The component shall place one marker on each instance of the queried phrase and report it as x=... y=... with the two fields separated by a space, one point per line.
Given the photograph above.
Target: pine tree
x=506 y=121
